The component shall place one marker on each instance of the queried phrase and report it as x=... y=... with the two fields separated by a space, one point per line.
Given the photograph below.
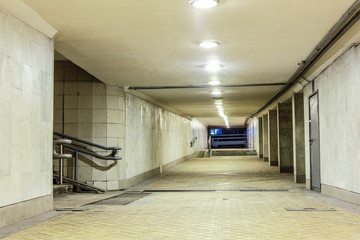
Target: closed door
x=314 y=142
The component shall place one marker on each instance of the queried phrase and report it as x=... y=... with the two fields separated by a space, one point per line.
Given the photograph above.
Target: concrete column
x=273 y=138
x=265 y=137
x=261 y=147
x=285 y=140
x=298 y=137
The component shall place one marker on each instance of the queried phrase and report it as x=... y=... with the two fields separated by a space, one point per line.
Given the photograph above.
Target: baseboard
x=130 y=182
x=299 y=178
x=19 y=211
x=340 y=193
x=286 y=169
x=274 y=163
x=166 y=167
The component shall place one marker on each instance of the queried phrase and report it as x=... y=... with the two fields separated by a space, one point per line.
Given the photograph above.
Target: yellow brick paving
x=224 y=173
x=207 y=215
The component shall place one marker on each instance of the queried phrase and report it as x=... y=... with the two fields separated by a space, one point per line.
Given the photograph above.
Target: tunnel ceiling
x=155 y=43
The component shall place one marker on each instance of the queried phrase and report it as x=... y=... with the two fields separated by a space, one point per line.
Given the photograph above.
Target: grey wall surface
x=26 y=120
x=199 y=130
x=273 y=138
x=265 y=128
x=298 y=137
x=285 y=137
x=154 y=136
x=88 y=109
x=150 y=137
x=339 y=119
x=260 y=148
x=253 y=135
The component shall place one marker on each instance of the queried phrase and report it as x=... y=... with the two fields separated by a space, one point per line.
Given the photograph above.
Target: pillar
x=298 y=137
x=285 y=140
x=261 y=147
x=273 y=138
x=265 y=137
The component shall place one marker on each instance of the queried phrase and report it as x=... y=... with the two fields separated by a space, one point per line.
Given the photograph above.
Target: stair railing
x=192 y=143
x=61 y=156
x=77 y=145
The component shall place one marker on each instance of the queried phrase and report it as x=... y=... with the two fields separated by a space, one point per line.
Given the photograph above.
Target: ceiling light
x=216 y=92
x=212 y=67
x=209 y=43
x=214 y=82
x=204 y=3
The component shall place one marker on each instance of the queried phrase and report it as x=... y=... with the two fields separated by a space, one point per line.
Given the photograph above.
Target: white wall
x=26 y=106
x=339 y=119
x=154 y=136
x=253 y=135
x=199 y=130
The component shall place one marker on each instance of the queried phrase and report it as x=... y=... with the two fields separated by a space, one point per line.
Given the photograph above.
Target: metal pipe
x=204 y=86
x=341 y=27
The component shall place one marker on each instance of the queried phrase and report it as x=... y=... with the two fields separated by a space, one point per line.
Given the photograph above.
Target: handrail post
x=61 y=165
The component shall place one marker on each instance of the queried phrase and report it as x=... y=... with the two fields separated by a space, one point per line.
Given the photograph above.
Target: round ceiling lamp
x=209 y=44
x=216 y=92
x=204 y=3
x=212 y=67
x=214 y=82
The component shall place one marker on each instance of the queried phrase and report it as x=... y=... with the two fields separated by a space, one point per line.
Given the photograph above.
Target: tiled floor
x=252 y=203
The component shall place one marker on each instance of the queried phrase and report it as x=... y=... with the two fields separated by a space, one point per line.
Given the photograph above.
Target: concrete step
x=233 y=152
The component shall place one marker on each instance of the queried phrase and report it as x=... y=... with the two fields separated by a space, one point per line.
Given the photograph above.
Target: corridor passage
x=218 y=198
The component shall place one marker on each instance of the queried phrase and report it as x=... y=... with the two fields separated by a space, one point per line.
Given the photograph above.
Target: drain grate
x=122 y=199
x=310 y=209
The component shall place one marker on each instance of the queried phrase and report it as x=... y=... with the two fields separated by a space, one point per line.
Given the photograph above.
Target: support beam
x=285 y=142
x=298 y=137
x=273 y=138
x=261 y=147
x=265 y=137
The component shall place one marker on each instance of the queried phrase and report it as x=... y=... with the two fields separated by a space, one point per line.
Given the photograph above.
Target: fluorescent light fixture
x=216 y=92
x=214 y=82
x=212 y=67
x=209 y=44
x=204 y=3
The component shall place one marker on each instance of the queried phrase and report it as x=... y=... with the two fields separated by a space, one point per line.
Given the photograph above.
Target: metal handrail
x=68 y=143
x=192 y=143
x=92 y=153
x=86 y=142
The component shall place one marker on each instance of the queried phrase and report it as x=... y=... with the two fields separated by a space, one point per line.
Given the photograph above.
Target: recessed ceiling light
x=214 y=82
x=212 y=67
x=209 y=43
x=204 y=3
x=216 y=92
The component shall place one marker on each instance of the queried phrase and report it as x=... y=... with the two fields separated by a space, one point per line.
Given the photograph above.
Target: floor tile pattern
x=209 y=215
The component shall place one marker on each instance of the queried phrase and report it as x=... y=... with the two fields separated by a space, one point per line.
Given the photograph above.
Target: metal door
x=314 y=142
